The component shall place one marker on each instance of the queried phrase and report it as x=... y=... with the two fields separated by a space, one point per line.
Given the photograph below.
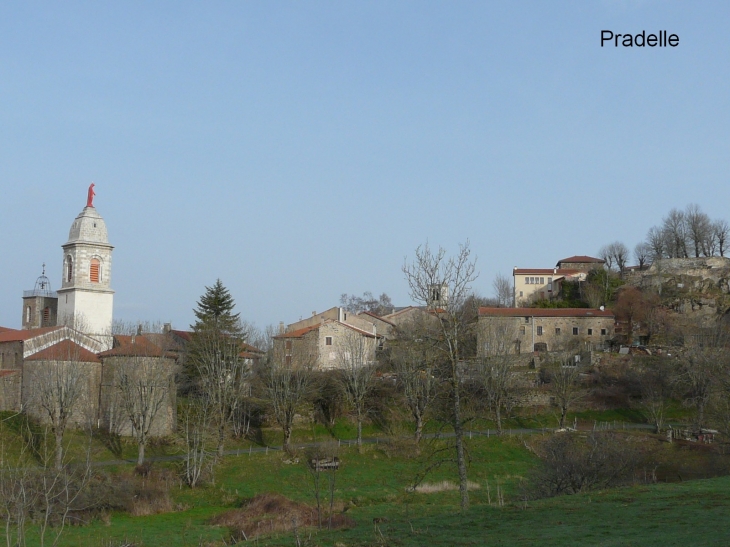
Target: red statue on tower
x=90 y=199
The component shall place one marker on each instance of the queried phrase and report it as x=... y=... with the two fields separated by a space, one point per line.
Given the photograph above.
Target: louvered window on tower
x=94 y=271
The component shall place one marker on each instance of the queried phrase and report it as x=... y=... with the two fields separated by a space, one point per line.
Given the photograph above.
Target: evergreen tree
x=215 y=310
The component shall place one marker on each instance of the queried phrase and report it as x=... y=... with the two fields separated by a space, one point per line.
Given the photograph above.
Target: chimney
x=314 y=313
x=139 y=329
x=281 y=327
x=166 y=328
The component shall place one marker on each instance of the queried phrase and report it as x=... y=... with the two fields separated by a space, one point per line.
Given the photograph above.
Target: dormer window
x=95 y=271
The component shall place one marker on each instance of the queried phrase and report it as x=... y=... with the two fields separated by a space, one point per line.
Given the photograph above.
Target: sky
x=301 y=150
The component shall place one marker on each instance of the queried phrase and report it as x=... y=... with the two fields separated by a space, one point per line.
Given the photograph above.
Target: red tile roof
x=125 y=346
x=65 y=351
x=544 y=312
x=12 y=335
x=581 y=258
x=299 y=332
x=545 y=271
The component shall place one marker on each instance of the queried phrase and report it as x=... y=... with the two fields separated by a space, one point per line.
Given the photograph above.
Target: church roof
x=88 y=227
x=65 y=350
x=13 y=335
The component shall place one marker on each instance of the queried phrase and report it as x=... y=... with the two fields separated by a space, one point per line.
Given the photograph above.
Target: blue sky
x=299 y=150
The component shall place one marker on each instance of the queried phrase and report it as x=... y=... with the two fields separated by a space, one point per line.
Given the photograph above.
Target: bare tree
x=222 y=375
x=677 y=242
x=615 y=253
x=563 y=375
x=59 y=388
x=699 y=230
x=356 y=362
x=286 y=389
x=642 y=254
x=503 y=291
x=196 y=424
x=697 y=378
x=413 y=357
x=656 y=240
x=607 y=256
x=144 y=385
x=721 y=232
x=494 y=368
x=367 y=302
x=656 y=387
x=432 y=270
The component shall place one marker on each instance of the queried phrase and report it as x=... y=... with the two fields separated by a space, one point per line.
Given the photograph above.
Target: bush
x=577 y=462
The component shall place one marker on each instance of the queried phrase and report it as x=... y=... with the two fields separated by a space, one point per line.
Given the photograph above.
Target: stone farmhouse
x=531 y=284
x=325 y=340
x=542 y=329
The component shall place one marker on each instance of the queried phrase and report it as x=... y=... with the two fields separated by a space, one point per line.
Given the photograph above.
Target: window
x=288 y=360
x=542 y=281
x=527 y=319
x=520 y=293
x=527 y=280
x=550 y=284
x=287 y=345
x=69 y=269
x=539 y=331
x=46 y=316
x=522 y=329
x=575 y=330
x=603 y=332
x=557 y=330
x=27 y=314
x=94 y=271
x=327 y=340
x=532 y=280
x=590 y=331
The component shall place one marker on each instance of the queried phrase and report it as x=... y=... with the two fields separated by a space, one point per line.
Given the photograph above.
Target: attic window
x=94 y=270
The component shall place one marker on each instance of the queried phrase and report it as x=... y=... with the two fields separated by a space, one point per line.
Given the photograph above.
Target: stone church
x=70 y=332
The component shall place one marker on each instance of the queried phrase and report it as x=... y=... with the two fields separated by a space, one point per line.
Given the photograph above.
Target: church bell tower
x=85 y=299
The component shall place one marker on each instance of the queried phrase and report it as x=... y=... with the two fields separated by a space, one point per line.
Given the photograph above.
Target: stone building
x=322 y=340
x=581 y=263
x=532 y=284
x=542 y=329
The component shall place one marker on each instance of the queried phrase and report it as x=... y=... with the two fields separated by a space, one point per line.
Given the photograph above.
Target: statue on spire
x=90 y=198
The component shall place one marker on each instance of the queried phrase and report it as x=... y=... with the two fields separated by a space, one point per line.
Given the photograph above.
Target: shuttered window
x=94 y=271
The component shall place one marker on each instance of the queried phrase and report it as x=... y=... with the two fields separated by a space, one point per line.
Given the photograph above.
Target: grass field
x=374 y=484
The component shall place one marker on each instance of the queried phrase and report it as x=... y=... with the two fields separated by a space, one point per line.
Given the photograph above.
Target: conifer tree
x=215 y=365
x=215 y=310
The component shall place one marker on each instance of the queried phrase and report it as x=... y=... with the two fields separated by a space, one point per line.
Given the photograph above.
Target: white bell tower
x=85 y=299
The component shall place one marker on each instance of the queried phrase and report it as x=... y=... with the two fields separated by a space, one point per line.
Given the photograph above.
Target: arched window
x=27 y=314
x=69 y=269
x=94 y=270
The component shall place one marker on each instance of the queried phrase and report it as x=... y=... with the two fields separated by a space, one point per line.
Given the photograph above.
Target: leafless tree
x=697 y=378
x=495 y=368
x=615 y=253
x=564 y=374
x=677 y=242
x=222 y=374
x=656 y=241
x=59 y=387
x=367 y=302
x=287 y=388
x=433 y=269
x=144 y=385
x=699 y=230
x=356 y=363
x=196 y=431
x=502 y=286
x=721 y=232
x=656 y=382
x=642 y=254
x=413 y=357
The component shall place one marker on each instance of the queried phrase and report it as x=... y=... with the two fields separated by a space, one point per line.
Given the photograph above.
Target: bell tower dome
x=85 y=299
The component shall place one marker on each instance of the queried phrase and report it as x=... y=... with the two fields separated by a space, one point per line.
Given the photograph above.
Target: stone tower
x=40 y=306
x=85 y=299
